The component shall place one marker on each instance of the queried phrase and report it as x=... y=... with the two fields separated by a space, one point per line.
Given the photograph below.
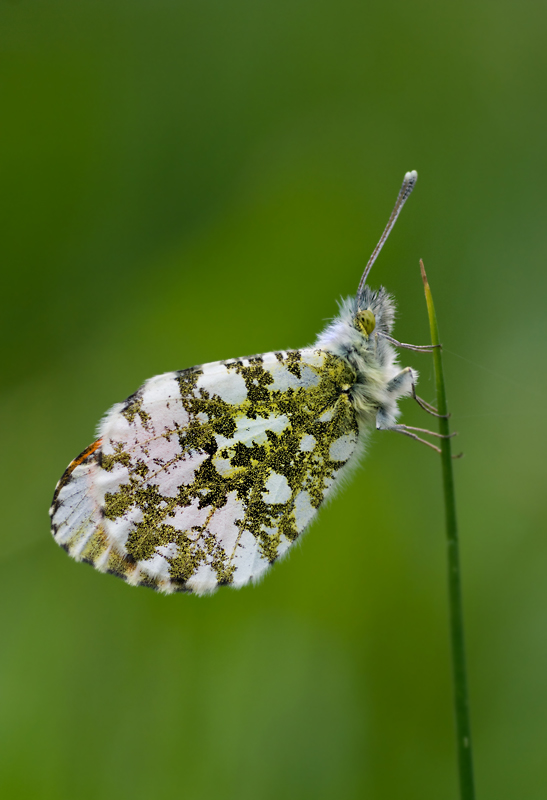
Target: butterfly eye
x=365 y=321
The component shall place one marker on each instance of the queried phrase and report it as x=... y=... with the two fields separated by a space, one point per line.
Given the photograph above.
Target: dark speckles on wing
x=293 y=362
x=248 y=455
x=257 y=380
x=133 y=407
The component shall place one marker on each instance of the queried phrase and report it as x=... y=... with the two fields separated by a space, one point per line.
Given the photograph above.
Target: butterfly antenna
x=408 y=185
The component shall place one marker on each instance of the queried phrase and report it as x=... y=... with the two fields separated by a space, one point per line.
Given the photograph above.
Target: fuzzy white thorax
x=375 y=392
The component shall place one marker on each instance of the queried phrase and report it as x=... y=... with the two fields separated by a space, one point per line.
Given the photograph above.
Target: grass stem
x=459 y=674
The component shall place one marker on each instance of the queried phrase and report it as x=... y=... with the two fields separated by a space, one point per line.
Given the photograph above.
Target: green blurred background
x=190 y=181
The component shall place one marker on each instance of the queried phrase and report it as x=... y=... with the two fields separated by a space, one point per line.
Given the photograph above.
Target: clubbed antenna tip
x=409 y=182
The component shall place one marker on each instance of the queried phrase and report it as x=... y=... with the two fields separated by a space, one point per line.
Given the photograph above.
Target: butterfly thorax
x=355 y=335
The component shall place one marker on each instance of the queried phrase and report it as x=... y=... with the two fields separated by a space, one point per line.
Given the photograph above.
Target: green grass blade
x=459 y=673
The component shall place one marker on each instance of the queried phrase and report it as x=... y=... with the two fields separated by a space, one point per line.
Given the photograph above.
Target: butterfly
x=206 y=476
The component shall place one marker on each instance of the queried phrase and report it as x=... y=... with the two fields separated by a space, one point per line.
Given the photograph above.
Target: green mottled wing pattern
x=206 y=476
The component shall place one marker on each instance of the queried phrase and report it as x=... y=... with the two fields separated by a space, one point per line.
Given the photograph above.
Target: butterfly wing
x=206 y=476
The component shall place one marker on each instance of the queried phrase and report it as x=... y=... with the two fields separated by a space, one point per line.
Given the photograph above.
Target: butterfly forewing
x=75 y=511
x=206 y=476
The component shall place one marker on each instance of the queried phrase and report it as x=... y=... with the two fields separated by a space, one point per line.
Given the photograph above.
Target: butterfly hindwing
x=206 y=476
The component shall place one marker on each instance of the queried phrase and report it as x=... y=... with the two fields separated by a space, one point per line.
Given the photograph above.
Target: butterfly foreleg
x=418 y=348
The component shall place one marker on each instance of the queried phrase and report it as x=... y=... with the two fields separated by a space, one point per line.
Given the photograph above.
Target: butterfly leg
x=385 y=423
x=404 y=384
x=427 y=406
x=424 y=430
x=408 y=430
x=418 y=348
x=421 y=348
x=403 y=429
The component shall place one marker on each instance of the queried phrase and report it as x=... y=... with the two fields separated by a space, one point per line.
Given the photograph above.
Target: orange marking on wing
x=82 y=457
x=72 y=466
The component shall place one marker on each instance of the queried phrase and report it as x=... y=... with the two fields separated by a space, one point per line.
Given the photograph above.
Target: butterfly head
x=365 y=321
x=372 y=312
